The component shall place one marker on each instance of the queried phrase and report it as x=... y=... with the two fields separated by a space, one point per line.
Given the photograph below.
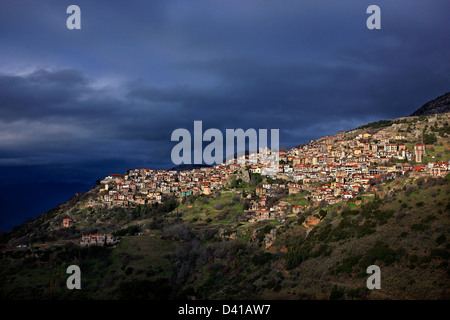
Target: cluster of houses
x=344 y=166
x=146 y=186
x=98 y=240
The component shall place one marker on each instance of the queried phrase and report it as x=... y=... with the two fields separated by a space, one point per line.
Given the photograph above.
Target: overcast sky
x=76 y=105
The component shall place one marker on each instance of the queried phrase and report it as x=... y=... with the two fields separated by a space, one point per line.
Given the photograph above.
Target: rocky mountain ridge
x=439 y=105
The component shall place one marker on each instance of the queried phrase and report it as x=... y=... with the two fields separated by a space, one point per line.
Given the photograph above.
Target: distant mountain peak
x=439 y=105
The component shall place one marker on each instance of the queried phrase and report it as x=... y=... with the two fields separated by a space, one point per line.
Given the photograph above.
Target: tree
x=429 y=138
x=322 y=213
x=255 y=179
x=235 y=183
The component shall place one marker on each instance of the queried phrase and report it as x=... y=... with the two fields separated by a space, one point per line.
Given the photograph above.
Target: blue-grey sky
x=76 y=105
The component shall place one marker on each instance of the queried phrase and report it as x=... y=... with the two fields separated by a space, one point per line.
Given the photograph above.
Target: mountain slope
x=439 y=105
x=405 y=232
x=212 y=246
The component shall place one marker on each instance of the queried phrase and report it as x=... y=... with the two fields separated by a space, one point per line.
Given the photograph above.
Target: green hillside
x=215 y=246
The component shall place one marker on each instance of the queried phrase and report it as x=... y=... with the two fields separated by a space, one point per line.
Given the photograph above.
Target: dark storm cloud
x=76 y=105
x=114 y=91
x=39 y=94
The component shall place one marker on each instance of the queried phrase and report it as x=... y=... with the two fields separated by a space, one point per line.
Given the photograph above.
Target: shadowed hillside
x=439 y=105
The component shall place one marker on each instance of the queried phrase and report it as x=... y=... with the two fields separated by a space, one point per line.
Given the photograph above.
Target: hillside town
x=331 y=169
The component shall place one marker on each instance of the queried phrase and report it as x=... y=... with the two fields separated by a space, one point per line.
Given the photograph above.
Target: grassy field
x=298 y=199
x=437 y=153
x=214 y=211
